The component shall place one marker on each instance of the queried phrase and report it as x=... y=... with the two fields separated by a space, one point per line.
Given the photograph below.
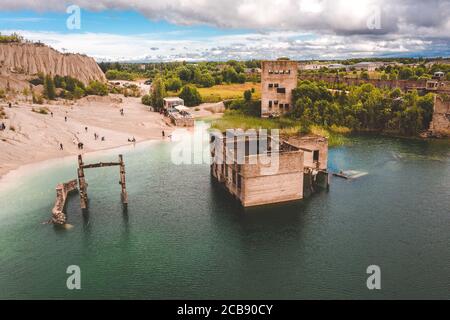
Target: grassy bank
x=287 y=126
x=229 y=91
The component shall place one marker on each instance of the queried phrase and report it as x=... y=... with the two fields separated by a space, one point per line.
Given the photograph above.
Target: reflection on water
x=184 y=236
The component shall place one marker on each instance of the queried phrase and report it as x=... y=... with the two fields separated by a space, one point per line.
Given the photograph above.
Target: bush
x=248 y=108
x=2 y=113
x=97 y=88
x=147 y=100
x=120 y=75
x=41 y=110
x=248 y=95
x=11 y=38
x=37 y=98
x=78 y=92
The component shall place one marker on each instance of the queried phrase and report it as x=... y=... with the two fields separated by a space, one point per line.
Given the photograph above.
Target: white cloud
x=300 y=29
x=153 y=47
x=340 y=16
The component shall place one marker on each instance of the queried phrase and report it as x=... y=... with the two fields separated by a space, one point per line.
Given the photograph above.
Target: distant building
x=439 y=75
x=366 y=66
x=335 y=66
x=278 y=79
x=310 y=66
x=171 y=102
x=180 y=116
x=252 y=70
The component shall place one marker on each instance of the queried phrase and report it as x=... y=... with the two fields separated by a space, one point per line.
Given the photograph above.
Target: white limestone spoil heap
x=19 y=59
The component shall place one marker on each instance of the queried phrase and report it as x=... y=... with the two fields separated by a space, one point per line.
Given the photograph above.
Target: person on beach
x=61 y=146
x=65 y=118
x=51 y=114
x=9 y=105
x=95 y=136
x=2 y=127
x=121 y=111
x=163 y=134
x=103 y=138
x=86 y=129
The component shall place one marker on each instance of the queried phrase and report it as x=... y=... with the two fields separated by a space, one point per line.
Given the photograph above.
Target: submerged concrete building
x=262 y=170
x=278 y=79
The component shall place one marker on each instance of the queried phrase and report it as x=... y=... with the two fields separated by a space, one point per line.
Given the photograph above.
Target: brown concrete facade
x=440 y=124
x=251 y=181
x=404 y=85
x=278 y=79
x=315 y=150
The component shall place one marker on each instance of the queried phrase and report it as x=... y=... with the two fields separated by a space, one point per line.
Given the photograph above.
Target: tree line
x=362 y=108
x=69 y=88
x=178 y=74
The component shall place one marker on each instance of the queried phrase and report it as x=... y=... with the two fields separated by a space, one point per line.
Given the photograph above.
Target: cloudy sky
x=193 y=30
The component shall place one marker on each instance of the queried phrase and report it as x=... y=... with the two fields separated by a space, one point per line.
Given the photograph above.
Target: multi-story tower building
x=278 y=79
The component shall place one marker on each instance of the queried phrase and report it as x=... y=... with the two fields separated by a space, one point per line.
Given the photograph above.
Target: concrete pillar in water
x=82 y=184
x=124 y=194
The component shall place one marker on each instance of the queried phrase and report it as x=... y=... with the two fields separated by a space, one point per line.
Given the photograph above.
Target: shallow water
x=185 y=237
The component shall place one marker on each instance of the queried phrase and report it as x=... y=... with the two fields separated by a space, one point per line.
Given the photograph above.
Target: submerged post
x=122 y=182
x=82 y=184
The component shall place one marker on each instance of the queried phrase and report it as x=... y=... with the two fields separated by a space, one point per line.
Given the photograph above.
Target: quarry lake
x=184 y=236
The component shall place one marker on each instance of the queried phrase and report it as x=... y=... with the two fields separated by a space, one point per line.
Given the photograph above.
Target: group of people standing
x=80 y=145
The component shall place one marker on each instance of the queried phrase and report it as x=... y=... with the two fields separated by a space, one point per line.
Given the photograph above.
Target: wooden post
x=122 y=182
x=82 y=184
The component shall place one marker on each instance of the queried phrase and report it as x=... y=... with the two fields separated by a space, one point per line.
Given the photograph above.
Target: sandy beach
x=37 y=137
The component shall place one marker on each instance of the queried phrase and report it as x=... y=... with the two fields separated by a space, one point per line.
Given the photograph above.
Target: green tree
x=49 y=87
x=191 y=96
x=173 y=84
x=158 y=94
x=78 y=92
x=206 y=80
x=405 y=73
x=185 y=74
x=248 y=95
x=230 y=75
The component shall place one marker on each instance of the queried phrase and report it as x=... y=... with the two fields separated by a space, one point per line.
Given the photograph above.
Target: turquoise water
x=184 y=237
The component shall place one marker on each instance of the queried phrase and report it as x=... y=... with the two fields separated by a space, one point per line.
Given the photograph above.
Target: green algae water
x=184 y=237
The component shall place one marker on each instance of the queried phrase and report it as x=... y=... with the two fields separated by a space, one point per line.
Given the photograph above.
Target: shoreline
x=95 y=123
x=9 y=178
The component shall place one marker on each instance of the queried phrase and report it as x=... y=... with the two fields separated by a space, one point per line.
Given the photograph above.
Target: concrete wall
x=273 y=189
x=258 y=185
x=440 y=124
x=271 y=75
x=403 y=85
x=310 y=143
x=283 y=184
